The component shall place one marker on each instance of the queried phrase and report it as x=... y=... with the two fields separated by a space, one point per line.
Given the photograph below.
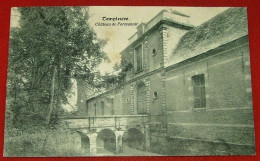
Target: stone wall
x=228 y=115
x=112 y=102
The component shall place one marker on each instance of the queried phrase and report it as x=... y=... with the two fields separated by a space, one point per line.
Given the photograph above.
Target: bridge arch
x=106 y=141
x=133 y=138
x=85 y=142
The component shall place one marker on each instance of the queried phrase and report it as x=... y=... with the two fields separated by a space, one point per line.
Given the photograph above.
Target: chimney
x=140 y=29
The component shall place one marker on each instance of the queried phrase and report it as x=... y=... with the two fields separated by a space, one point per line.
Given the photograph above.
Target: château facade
x=192 y=82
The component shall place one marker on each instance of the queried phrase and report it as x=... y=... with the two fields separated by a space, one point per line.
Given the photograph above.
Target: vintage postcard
x=129 y=81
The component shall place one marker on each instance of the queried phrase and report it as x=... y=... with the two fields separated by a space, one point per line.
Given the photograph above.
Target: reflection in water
x=127 y=151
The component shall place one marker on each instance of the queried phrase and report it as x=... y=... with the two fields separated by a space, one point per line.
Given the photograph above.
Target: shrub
x=59 y=143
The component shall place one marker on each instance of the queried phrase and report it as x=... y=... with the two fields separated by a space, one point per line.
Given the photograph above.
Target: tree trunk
x=52 y=96
x=48 y=117
x=56 y=111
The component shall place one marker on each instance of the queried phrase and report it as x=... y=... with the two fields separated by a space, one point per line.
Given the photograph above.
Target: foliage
x=116 y=78
x=61 y=142
x=126 y=67
x=49 y=40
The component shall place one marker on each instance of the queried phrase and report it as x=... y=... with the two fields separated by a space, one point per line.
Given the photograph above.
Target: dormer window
x=139 y=58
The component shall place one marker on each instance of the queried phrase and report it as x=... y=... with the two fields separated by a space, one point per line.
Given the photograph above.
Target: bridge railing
x=117 y=121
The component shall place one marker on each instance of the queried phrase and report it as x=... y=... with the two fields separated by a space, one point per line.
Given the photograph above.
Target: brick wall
x=228 y=115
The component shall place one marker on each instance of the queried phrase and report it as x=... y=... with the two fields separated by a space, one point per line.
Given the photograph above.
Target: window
x=139 y=58
x=112 y=110
x=141 y=99
x=198 y=82
x=102 y=108
x=95 y=108
x=87 y=108
x=112 y=107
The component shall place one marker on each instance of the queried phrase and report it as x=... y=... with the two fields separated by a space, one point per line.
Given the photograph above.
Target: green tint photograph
x=128 y=81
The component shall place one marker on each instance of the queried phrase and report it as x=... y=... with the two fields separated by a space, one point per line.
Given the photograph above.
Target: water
x=127 y=151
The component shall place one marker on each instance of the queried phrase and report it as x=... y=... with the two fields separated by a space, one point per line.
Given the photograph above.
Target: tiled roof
x=221 y=29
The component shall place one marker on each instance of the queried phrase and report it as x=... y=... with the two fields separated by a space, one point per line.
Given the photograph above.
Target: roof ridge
x=224 y=23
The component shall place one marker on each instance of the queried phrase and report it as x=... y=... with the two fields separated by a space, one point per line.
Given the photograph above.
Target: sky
x=118 y=36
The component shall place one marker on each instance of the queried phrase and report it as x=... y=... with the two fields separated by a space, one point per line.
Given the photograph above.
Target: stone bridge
x=109 y=132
